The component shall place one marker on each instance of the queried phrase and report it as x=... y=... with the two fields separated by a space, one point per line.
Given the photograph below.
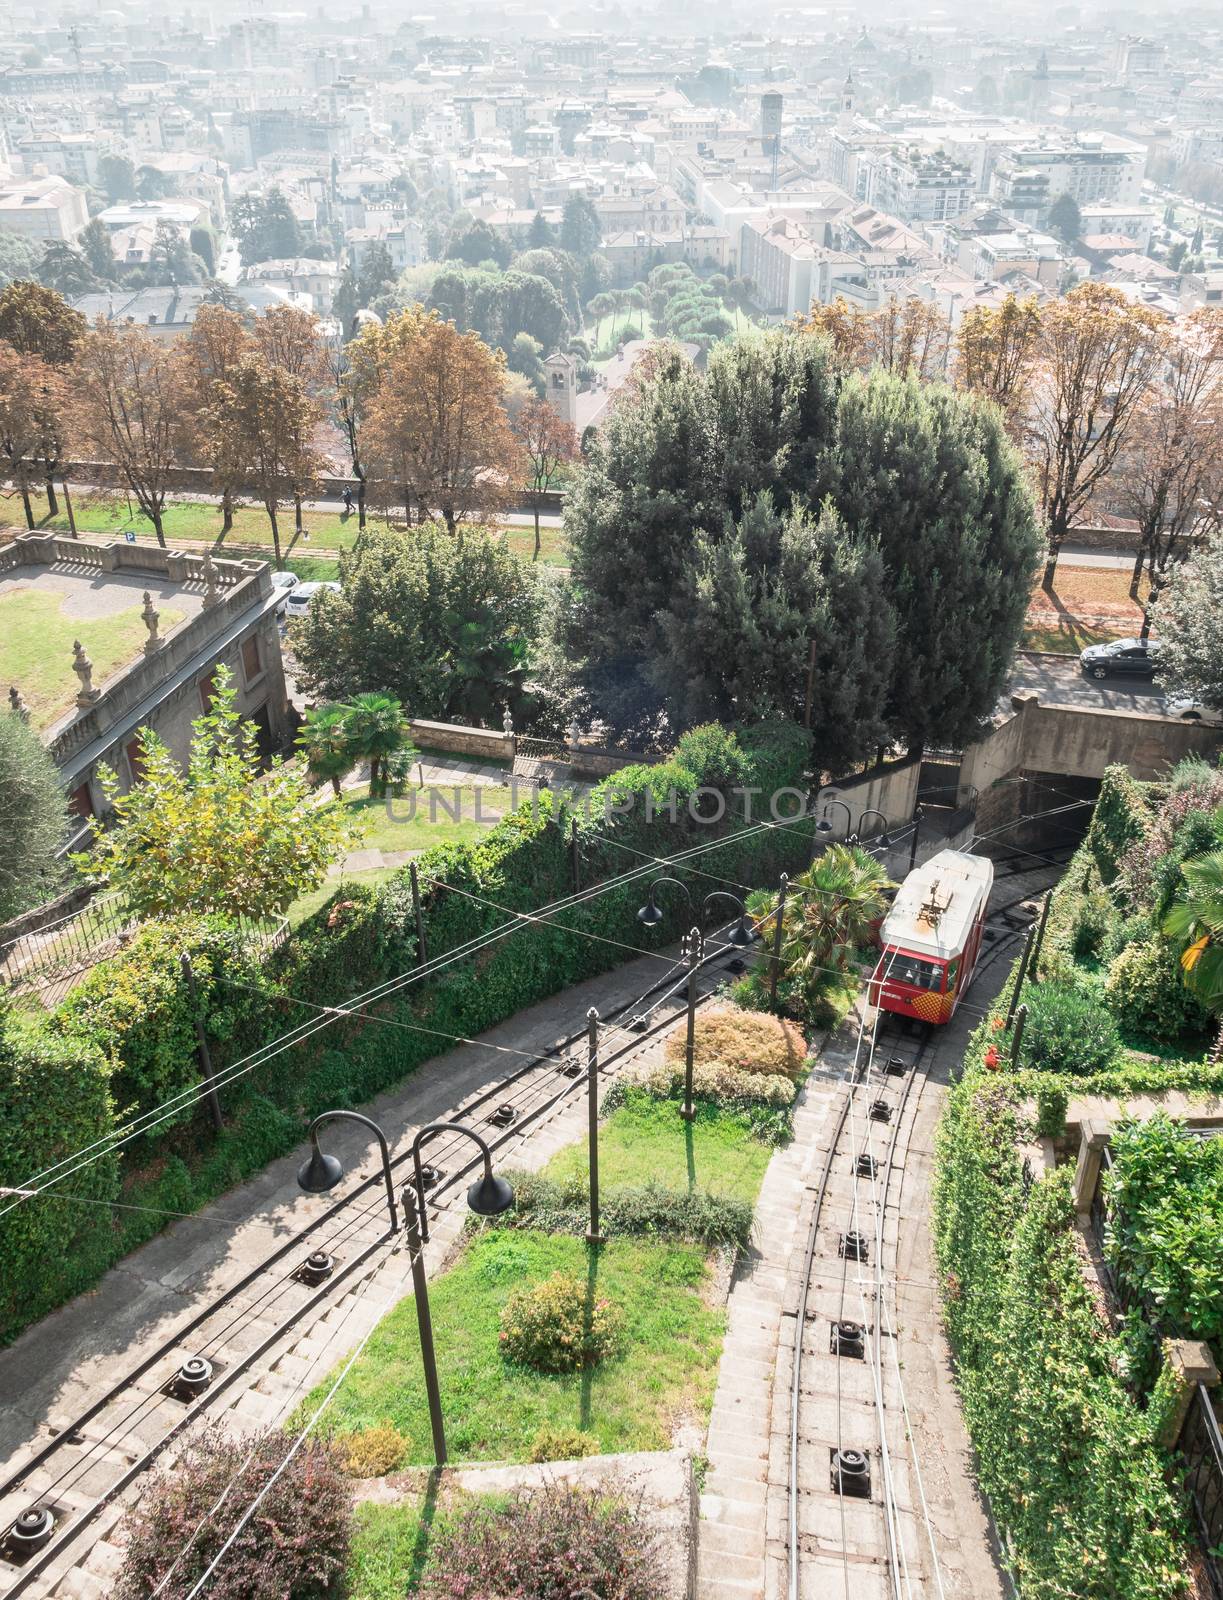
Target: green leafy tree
x=377 y=274
x=1187 y=615
x=266 y=228
x=1065 y=218
x=219 y=834
x=19 y=257
x=782 y=601
x=33 y=817
x=66 y=270
x=98 y=251
x=540 y=235
x=476 y=244
x=933 y=476
x=347 y=301
x=325 y=739
x=581 y=231
x=171 y=262
x=117 y=176
x=445 y=624
x=1196 y=922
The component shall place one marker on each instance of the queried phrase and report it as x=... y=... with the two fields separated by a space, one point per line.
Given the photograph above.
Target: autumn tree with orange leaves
x=129 y=399
x=1170 y=475
x=902 y=336
x=1098 y=358
x=210 y=353
x=996 y=353
x=439 y=439
x=548 y=442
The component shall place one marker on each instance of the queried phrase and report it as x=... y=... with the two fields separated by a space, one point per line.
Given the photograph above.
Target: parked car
x=297 y=602
x=1188 y=709
x=283 y=582
x=1131 y=658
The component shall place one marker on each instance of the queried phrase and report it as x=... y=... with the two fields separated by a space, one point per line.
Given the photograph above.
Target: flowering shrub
x=1068 y=1030
x=296 y=1544
x=551 y=1543
x=746 y=1041
x=724 y=1085
x=563 y=1444
x=557 y=1326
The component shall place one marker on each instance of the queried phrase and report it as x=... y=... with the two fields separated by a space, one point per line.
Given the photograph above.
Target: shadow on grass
x=424 y=1530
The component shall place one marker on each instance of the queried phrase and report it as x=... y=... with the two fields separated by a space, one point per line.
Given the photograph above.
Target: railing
x=49 y=962
x=1202 y=1447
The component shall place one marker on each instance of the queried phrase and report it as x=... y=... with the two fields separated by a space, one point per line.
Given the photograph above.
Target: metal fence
x=1201 y=1444
x=46 y=964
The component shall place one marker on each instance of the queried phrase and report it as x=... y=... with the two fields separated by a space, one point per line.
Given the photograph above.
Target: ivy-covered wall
x=128 y=1033
x=1067 y=1457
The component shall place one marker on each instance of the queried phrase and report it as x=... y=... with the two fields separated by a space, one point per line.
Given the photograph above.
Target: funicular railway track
x=53 y=1497
x=858 y=1524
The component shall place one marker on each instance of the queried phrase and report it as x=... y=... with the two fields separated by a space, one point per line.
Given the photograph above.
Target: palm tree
x=376 y=729
x=1196 y=921
x=833 y=907
x=326 y=742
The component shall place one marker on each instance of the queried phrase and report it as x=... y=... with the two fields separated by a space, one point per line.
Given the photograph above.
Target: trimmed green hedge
x=1121 y=819
x=54 y=1100
x=132 y=1013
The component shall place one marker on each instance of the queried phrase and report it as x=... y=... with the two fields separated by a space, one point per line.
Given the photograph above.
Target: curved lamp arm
x=849 y=816
x=873 y=811
x=649 y=913
x=317 y=1158
x=428 y=1132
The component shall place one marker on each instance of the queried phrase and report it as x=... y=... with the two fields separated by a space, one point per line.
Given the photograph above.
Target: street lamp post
x=778 y=931
x=918 y=814
x=849 y=816
x=696 y=954
x=592 y=1123
x=487 y=1197
x=885 y=838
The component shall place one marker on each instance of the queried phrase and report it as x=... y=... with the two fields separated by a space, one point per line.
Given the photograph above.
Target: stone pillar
x=212 y=595
x=1186 y=1363
x=83 y=667
x=151 y=618
x=1093 y=1136
x=575 y=742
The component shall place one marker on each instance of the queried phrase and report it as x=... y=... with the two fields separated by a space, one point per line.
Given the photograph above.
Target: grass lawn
x=251 y=534
x=389 y=1544
x=36 y=653
x=1066 y=637
x=424 y=817
x=493 y=1409
x=648 y=1141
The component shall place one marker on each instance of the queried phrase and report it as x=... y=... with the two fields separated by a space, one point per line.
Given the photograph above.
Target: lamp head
x=649 y=915
x=740 y=936
x=321 y=1173
x=489 y=1196
x=885 y=840
x=823 y=827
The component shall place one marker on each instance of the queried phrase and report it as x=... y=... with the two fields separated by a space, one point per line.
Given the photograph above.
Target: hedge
x=1069 y=1461
x=133 y=1016
x=54 y=1100
x=1122 y=818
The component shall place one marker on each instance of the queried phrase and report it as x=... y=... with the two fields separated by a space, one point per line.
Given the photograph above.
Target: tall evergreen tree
x=932 y=475
x=782 y=599
x=581 y=231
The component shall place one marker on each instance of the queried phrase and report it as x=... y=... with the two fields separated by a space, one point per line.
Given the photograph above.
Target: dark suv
x=1131 y=658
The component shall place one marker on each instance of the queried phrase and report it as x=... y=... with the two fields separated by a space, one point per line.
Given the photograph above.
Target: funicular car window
x=918 y=974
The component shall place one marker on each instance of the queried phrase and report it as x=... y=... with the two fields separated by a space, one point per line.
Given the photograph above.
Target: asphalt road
x=1059 y=680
